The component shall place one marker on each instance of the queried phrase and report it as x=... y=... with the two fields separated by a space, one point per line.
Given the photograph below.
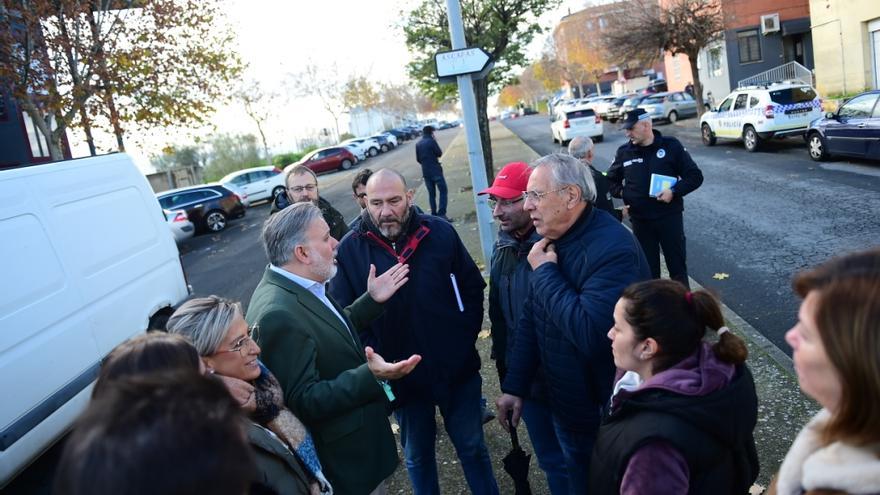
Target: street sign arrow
x=461 y=62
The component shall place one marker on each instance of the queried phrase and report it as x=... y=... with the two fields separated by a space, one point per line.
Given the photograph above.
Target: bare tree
x=647 y=28
x=259 y=104
x=326 y=84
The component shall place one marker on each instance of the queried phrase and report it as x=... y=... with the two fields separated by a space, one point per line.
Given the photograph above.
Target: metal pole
x=472 y=132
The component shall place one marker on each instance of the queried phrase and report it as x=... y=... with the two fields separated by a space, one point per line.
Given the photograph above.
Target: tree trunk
x=598 y=88
x=481 y=94
x=52 y=140
x=265 y=144
x=698 y=86
x=87 y=129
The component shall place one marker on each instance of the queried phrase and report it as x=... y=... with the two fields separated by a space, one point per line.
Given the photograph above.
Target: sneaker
x=444 y=217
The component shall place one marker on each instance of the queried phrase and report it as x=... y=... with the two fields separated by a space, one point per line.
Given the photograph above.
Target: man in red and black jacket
x=436 y=314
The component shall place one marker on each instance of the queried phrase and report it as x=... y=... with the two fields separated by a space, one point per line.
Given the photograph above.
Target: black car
x=401 y=135
x=208 y=206
x=854 y=130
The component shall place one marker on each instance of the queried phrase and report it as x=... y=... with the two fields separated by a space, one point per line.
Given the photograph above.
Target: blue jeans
x=438 y=182
x=463 y=420
x=577 y=448
x=539 y=423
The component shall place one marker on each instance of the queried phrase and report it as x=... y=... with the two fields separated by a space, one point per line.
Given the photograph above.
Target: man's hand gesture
x=384 y=286
x=542 y=252
x=510 y=403
x=384 y=370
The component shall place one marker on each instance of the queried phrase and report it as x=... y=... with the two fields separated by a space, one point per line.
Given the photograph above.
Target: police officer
x=655 y=214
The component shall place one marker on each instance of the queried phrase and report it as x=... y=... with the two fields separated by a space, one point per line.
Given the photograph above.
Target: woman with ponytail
x=684 y=407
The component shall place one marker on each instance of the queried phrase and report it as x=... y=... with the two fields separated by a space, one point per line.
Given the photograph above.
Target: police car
x=756 y=113
x=572 y=122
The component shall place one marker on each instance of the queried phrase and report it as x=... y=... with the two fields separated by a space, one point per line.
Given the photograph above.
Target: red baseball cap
x=510 y=182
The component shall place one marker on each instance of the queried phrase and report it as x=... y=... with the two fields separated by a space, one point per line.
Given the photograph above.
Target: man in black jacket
x=581 y=148
x=302 y=186
x=428 y=155
x=439 y=312
x=508 y=287
x=655 y=206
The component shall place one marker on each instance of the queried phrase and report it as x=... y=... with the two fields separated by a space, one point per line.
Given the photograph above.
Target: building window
x=749 y=46
x=714 y=57
x=602 y=23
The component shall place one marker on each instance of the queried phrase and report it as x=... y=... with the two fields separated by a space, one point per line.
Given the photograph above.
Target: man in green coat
x=311 y=345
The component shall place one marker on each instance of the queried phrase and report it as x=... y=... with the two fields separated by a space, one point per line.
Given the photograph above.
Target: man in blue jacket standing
x=579 y=270
x=428 y=155
x=439 y=311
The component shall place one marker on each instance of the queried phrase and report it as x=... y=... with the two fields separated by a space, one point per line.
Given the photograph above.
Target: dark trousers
x=433 y=183
x=667 y=233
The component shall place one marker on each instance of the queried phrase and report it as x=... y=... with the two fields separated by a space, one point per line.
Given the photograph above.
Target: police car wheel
x=751 y=139
x=707 y=135
x=817 y=148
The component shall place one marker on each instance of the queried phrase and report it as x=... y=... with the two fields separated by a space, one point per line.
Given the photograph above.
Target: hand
x=506 y=403
x=542 y=252
x=665 y=195
x=384 y=286
x=241 y=391
x=625 y=212
x=384 y=370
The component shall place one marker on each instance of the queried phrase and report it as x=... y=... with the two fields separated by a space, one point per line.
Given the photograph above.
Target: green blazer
x=323 y=371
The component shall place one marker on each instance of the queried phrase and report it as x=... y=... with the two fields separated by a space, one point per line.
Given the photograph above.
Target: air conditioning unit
x=769 y=23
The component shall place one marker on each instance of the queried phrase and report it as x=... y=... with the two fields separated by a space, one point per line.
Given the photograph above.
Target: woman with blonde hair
x=836 y=344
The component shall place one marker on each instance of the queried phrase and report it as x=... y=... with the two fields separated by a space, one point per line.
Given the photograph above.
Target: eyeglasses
x=503 y=202
x=536 y=197
x=241 y=345
x=299 y=189
x=361 y=195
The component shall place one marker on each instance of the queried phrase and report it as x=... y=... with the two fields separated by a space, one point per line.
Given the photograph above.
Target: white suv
x=756 y=113
x=257 y=183
x=576 y=121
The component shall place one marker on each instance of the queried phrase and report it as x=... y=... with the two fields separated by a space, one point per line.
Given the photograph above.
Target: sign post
x=463 y=64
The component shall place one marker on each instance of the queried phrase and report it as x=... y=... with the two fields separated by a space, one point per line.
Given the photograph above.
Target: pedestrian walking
x=509 y=278
x=579 y=269
x=836 y=344
x=683 y=409
x=428 y=155
x=652 y=173
x=436 y=315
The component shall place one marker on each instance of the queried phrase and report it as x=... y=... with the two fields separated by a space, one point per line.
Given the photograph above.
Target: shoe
x=444 y=217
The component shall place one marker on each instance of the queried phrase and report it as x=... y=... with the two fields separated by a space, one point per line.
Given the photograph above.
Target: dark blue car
x=854 y=130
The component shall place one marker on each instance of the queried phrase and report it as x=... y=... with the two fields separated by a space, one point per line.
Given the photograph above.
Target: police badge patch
x=661 y=153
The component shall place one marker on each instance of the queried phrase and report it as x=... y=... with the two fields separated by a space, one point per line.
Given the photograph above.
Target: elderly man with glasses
x=302 y=186
x=579 y=269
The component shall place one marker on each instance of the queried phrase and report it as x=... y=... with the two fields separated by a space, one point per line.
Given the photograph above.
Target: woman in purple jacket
x=684 y=407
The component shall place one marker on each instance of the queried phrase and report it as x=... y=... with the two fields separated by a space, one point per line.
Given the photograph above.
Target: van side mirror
x=830 y=115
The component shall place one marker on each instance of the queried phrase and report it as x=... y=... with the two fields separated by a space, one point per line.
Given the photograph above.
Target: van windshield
x=792 y=95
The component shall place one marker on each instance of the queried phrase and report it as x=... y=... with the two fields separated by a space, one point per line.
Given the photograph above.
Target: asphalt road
x=758 y=217
x=231 y=263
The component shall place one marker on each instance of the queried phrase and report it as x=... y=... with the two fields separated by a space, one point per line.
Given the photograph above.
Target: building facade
x=846 y=34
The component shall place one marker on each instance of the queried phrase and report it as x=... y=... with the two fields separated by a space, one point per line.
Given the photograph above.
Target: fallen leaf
x=720 y=276
x=756 y=489
x=395 y=428
x=484 y=334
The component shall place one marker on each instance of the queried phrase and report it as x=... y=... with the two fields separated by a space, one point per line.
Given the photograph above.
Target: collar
x=506 y=239
x=575 y=231
x=306 y=283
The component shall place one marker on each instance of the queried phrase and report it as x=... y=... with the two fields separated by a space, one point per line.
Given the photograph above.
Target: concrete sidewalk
x=783 y=409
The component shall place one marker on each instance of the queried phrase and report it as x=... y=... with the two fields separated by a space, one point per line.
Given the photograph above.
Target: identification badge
x=661 y=153
x=388 y=392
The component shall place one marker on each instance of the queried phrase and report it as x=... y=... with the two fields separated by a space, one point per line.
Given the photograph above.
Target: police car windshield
x=792 y=95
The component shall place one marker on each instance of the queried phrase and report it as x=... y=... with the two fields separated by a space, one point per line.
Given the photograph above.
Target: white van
x=87 y=261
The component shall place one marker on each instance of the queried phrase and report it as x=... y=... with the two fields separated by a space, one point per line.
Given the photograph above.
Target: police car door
x=725 y=126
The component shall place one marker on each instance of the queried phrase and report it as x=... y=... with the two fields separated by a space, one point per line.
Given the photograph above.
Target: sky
x=278 y=38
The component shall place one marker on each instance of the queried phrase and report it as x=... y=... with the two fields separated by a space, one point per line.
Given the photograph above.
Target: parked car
x=630 y=104
x=258 y=183
x=400 y=134
x=615 y=105
x=853 y=130
x=208 y=206
x=391 y=138
x=602 y=104
x=578 y=121
x=669 y=106
x=327 y=159
x=357 y=150
x=88 y=262
x=370 y=146
x=179 y=224
x=655 y=86
x=384 y=143
x=243 y=196
x=756 y=113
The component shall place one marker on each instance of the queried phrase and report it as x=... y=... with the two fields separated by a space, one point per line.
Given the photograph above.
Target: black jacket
x=630 y=176
x=331 y=215
x=603 y=194
x=423 y=317
x=567 y=315
x=713 y=432
x=428 y=155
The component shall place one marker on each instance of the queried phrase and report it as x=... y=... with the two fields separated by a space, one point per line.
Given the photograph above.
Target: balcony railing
x=791 y=71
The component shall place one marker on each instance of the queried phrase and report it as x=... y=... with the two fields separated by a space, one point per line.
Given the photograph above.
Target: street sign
x=453 y=63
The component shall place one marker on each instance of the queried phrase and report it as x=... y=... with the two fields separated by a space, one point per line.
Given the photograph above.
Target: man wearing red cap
x=508 y=288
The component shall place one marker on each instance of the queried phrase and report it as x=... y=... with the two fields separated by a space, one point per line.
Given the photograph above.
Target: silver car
x=669 y=106
x=181 y=228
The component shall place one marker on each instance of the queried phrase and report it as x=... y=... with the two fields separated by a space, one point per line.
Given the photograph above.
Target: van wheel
x=707 y=135
x=751 y=139
x=278 y=190
x=816 y=144
x=673 y=117
x=215 y=221
x=345 y=165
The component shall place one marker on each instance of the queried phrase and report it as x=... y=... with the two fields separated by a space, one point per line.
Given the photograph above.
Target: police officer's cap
x=634 y=116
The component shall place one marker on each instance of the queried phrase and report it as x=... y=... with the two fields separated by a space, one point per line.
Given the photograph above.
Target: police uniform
x=656 y=224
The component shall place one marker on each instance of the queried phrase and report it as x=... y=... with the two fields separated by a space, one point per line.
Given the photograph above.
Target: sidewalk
x=783 y=409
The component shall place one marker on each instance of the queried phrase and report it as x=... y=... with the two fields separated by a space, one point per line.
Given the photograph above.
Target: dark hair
x=170 y=433
x=427 y=130
x=847 y=315
x=667 y=312
x=150 y=352
x=360 y=179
